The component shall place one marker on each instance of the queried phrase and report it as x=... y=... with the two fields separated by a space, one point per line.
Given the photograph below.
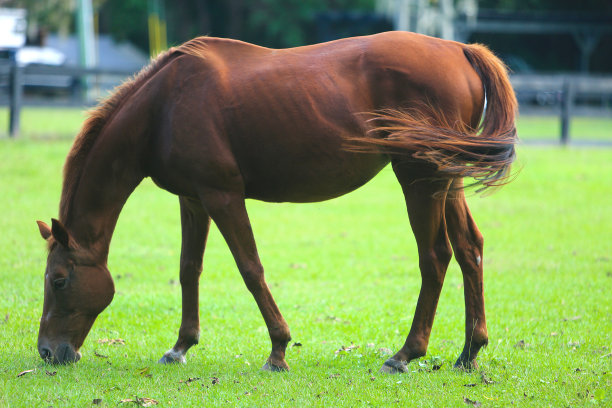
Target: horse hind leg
x=195 y=224
x=467 y=242
x=425 y=206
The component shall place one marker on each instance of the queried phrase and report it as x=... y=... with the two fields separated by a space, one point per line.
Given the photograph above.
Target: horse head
x=78 y=287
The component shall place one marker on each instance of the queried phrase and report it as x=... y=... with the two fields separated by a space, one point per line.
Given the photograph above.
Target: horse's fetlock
x=189 y=337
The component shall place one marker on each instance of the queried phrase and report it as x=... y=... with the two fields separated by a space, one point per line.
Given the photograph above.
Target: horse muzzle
x=64 y=354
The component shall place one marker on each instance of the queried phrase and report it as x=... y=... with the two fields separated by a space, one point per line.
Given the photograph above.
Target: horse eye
x=60 y=283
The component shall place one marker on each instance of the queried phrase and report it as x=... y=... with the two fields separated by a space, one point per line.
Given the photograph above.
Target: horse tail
x=456 y=149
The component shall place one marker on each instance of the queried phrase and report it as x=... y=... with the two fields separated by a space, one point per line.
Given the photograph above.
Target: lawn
x=344 y=273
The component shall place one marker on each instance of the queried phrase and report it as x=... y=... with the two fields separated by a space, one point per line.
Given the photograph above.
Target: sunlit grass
x=343 y=272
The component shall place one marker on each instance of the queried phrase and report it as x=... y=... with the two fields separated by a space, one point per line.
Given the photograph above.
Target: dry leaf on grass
x=346 y=349
x=141 y=402
x=470 y=402
x=21 y=374
x=189 y=380
x=522 y=344
x=486 y=379
x=145 y=372
x=117 y=342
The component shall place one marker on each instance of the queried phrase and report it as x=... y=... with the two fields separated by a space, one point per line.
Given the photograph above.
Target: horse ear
x=60 y=233
x=44 y=229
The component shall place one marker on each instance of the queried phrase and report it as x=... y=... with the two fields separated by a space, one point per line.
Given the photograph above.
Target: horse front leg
x=426 y=213
x=467 y=242
x=195 y=224
x=228 y=211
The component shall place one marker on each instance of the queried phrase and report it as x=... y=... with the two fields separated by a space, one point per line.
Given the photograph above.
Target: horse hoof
x=275 y=368
x=392 y=366
x=172 y=357
x=466 y=365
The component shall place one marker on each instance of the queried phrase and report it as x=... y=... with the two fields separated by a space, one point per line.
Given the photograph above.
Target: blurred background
x=72 y=52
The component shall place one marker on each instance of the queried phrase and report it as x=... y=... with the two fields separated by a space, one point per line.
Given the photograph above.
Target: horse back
x=278 y=119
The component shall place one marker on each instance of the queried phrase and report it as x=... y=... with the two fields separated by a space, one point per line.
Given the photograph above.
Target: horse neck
x=111 y=173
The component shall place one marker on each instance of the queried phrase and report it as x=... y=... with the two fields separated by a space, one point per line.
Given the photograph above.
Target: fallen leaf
x=118 y=342
x=21 y=374
x=141 y=402
x=346 y=349
x=470 y=385
x=384 y=351
x=334 y=376
x=99 y=355
x=298 y=266
x=215 y=380
x=97 y=401
x=470 y=402
x=145 y=372
x=296 y=345
x=189 y=380
x=486 y=379
x=50 y=373
x=566 y=319
x=522 y=344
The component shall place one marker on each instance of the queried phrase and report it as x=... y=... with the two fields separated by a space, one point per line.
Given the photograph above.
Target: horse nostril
x=45 y=353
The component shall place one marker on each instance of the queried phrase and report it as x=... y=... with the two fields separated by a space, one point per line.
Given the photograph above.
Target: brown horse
x=217 y=121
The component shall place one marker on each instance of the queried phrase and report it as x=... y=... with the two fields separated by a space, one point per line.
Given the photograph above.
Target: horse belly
x=312 y=179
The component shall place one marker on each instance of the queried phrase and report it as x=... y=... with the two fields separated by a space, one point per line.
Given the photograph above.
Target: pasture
x=345 y=275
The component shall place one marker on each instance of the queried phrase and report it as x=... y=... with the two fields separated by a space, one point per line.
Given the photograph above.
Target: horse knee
x=253 y=277
x=190 y=272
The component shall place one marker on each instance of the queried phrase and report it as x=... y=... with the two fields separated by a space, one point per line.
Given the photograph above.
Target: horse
x=216 y=121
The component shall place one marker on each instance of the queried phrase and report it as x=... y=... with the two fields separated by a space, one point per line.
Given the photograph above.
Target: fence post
x=16 y=90
x=567 y=103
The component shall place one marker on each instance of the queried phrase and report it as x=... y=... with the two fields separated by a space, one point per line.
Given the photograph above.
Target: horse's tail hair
x=455 y=148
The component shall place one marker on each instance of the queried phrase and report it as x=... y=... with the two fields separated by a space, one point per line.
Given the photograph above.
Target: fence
x=560 y=95
x=564 y=96
x=73 y=83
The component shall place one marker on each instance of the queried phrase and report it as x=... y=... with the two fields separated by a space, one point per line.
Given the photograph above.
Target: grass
x=343 y=272
x=549 y=128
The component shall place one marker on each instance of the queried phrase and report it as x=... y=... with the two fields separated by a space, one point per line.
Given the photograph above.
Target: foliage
x=546 y=5
x=345 y=274
x=49 y=15
x=54 y=15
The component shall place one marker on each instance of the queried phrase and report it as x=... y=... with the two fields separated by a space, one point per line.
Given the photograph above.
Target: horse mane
x=98 y=116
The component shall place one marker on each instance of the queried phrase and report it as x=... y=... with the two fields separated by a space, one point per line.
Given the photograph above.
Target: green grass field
x=344 y=272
